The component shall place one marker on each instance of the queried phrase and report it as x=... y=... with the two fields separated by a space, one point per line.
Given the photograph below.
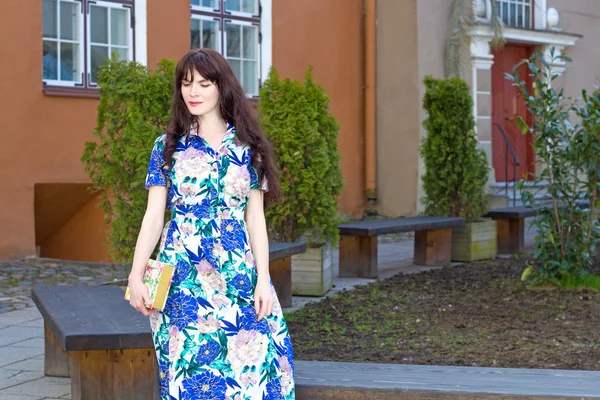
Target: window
x=232 y=27
x=78 y=37
x=516 y=13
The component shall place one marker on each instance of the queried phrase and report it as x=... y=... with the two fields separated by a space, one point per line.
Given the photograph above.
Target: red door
x=507 y=104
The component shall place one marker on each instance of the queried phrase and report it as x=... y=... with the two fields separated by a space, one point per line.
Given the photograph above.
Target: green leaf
x=522 y=125
x=526 y=273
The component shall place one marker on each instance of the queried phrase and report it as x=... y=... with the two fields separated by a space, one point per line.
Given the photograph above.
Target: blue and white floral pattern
x=208 y=340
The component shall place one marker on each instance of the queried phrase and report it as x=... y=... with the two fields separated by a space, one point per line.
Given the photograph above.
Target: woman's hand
x=263 y=298
x=139 y=296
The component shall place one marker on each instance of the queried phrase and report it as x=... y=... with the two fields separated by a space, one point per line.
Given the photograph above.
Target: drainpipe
x=370 y=108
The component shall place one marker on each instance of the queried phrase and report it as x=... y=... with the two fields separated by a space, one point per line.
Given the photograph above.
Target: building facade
x=370 y=55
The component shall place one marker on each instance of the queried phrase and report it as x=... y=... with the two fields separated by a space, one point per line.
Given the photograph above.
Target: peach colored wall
x=43 y=136
x=581 y=17
x=398 y=107
x=328 y=36
x=434 y=23
x=168 y=29
x=92 y=246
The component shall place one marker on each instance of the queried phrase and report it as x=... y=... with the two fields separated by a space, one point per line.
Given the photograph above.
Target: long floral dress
x=208 y=340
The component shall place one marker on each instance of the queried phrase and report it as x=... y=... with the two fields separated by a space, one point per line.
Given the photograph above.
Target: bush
x=456 y=169
x=295 y=117
x=568 y=157
x=134 y=110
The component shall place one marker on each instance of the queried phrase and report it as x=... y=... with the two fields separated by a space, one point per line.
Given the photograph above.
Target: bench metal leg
x=113 y=374
x=511 y=235
x=281 y=275
x=56 y=360
x=358 y=256
x=433 y=247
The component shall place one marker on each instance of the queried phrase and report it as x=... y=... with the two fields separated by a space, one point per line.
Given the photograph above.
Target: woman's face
x=200 y=95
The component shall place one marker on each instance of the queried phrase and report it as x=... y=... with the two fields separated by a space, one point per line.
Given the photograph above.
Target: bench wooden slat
x=358 y=242
x=82 y=318
x=398 y=225
x=278 y=250
x=521 y=212
x=512 y=212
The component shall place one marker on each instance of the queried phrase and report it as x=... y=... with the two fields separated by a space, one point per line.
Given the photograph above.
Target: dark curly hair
x=234 y=107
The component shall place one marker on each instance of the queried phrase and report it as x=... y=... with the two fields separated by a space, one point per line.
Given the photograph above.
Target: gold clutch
x=157 y=278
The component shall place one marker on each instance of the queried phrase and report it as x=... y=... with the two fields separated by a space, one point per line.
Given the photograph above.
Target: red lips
x=195 y=103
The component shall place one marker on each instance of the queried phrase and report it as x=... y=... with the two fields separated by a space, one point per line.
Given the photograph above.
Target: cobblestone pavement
x=18 y=276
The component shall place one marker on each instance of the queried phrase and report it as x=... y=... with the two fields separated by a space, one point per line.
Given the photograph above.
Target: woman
x=221 y=334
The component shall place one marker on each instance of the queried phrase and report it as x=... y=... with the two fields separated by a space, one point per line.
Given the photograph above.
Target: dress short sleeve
x=155 y=175
x=254 y=182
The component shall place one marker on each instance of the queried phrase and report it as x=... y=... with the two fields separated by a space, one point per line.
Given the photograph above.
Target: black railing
x=515 y=164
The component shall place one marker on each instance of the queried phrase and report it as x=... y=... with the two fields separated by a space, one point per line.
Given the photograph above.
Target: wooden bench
x=280 y=268
x=358 y=242
x=510 y=225
x=374 y=381
x=95 y=337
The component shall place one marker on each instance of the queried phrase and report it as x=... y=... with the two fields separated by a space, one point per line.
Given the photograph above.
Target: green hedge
x=295 y=117
x=134 y=110
x=456 y=168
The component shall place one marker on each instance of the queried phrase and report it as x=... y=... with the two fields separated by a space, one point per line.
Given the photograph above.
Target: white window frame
x=262 y=19
x=137 y=43
x=58 y=40
x=517 y=4
x=255 y=14
x=204 y=9
x=109 y=6
x=241 y=58
x=212 y=19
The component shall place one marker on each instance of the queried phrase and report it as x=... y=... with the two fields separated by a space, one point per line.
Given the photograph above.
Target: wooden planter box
x=312 y=273
x=474 y=241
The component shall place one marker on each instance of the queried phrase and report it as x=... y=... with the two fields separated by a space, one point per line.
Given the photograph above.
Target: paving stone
x=25 y=332
x=36 y=323
x=48 y=387
x=9 y=340
x=36 y=342
x=31 y=364
x=17 y=378
x=18 y=397
x=11 y=355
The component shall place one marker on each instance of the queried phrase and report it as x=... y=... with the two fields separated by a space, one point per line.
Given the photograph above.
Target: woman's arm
x=152 y=226
x=259 y=243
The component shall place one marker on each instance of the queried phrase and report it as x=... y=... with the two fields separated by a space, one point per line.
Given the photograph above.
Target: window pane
x=195 y=34
x=232 y=5
x=210 y=34
x=250 y=6
x=119 y=26
x=69 y=21
x=214 y=4
x=50 y=60
x=233 y=40
x=99 y=56
x=250 y=77
x=123 y=53
x=69 y=62
x=250 y=42
x=50 y=19
x=99 y=24
x=236 y=66
x=513 y=15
